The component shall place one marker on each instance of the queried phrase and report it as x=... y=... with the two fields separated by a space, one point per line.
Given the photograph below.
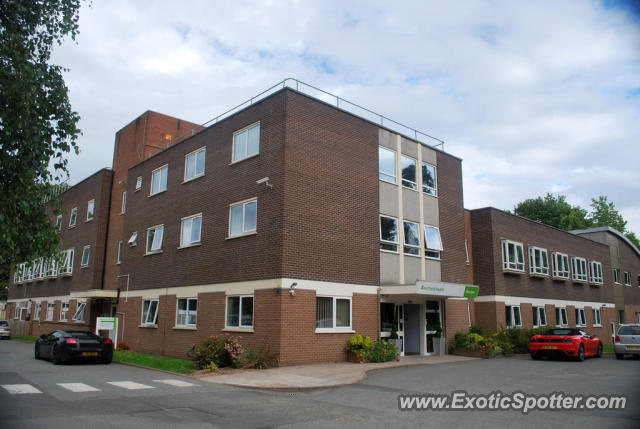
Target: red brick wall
x=457 y=317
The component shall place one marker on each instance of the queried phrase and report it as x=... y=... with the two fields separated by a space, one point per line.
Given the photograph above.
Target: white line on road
x=174 y=382
x=131 y=385
x=78 y=387
x=20 y=389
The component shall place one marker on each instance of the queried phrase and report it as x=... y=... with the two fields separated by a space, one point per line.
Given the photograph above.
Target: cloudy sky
x=535 y=97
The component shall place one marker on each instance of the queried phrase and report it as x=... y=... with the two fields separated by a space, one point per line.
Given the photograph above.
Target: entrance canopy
x=95 y=293
x=452 y=290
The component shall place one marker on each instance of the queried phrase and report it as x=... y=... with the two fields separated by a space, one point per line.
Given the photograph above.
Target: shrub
x=261 y=358
x=358 y=343
x=381 y=351
x=475 y=329
x=222 y=350
x=123 y=346
x=474 y=338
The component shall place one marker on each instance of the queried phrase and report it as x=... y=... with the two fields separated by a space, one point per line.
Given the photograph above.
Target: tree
x=554 y=210
x=604 y=213
x=38 y=128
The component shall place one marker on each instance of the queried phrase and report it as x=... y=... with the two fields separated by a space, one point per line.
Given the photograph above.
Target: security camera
x=263 y=180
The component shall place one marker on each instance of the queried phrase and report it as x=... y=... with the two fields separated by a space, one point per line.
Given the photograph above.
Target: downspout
x=378 y=313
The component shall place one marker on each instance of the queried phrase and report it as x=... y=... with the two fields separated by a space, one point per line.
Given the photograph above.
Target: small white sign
x=106 y=323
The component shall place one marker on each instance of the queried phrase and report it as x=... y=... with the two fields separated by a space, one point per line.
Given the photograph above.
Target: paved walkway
x=320 y=375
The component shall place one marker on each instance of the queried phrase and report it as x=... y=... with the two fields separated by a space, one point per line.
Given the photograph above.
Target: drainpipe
x=378 y=312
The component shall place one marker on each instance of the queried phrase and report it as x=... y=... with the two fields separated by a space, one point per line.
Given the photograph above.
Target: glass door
x=433 y=324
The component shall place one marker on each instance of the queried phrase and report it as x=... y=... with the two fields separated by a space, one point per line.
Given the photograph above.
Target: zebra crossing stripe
x=131 y=385
x=175 y=382
x=78 y=387
x=20 y=389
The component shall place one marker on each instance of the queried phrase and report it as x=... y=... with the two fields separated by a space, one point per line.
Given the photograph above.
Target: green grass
x=25 y=339
x=180 y=366
x=607 y=348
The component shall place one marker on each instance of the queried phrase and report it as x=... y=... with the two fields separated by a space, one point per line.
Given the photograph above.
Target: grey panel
x=411 y=269
x=409 y=148
x=431 y=212
x=433 y=270
x=410 y=205
x=388 y=199
x=389 y=263
x=429 y=155
x=386 y=139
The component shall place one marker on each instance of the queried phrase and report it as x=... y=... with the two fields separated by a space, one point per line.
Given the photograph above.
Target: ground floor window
x=150 y=312
x=79 y=316
x=580 y=318
x=387 y=316
x=240 y=311
x=539 y=316
x=50 y=308
x=36 y=315
x=64 y=308
x=620 y=316
x=512 y=315
x=21 y=308
x=596 y=317
x=333 y=312
x=561 y=316
x=187 y=314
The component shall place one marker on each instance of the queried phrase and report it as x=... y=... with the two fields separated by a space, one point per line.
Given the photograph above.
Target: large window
x=190 y=230
x=86 y=254
x=65 y=266
x=240 y=311
x=597 y=321
x=595 y=272
x=150 y=312
x=246 y=142
x=187 y=312
x=64 y=308
x=429 y=181
x=243 y=217
x=538 y=261
x=194 y=164
x=560 y=265
x=159 y=179
x=561 y=316
x=512 y=256
x=512 y=315
x=580 y=317
x=154 y=238
x=79 y=315
x=91 y=206
x=388 y=233
x=579 y=268
x=432 y=242
x=539 y=316
x=411 y=238
x=409 y=172
x=50 y=309
x=386 y=164
x=73 y=217
x=333 y=313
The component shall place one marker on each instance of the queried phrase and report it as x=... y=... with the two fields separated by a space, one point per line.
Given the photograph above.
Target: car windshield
x=629 y=330
x=4 y=323
x=563 y=332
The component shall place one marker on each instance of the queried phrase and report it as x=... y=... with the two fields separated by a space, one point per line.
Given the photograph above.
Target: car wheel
x=36 y=352
x=581 y=353
x=636 y=357
x=57 y=357
x=599 y=350
x=536 y=356
x=107 y=360
x=619 y=355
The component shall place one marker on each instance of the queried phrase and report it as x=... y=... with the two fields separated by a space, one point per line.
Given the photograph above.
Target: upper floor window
x=190 y=230
x=561 y=316
x=388 y=233
x=386 y=164
x=243 y=217
x=194 y=164
x=159 y=179
x=429 y=180
x=52 y=267
x=539 y=316
x=187 y=312
x=150 y=312
x=73 y=217
x=91 y=205
x=538 y=261
x=616 y=275
x=154 y=238
x=119 y=257
x=59 y=223
x=124 y=202
x=86 y=253
x=432 y=242
x=512 y=315
x=411 y=238
x=133 y=240
x=512 y=256
x=579 y=268
x=240 y=311
x=139 y=183
x=580 y=317
x=560 y=265
x=409 y=172
x=595 y=272
x=246 y=142
x=627 y=278
x=333 y=313
x=65 y=265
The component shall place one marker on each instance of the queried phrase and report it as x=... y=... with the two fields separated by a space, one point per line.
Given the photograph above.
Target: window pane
x=145 y=311
x=200 y=161
x=387 y=311
x=432 y=236
x=157 y=238
x=236 y=220
x=543 y=317
x=190 y=169
x=153 y=315
x=343 y=313
x=250 y=210
x=428 y=178
x=388 y=229
x=239 y=146
x=536 y=320
x=253 y=143
x=186 y=231
x=324 y=312
x=516 y=316
x=233 y=310
x=408 y=172
x=247 y=311
x=196 y=224
x=150 y=236
x=387 y=164
x=411 y=234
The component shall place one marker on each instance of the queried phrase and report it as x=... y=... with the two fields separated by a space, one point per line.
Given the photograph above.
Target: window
x=333 y=313
x=242 y=217
x=139 y=183
x=538 y=261
x=50 y=308
x=240 y=311
x=91 y=205
x=119 y=258
x=579 y=266
x=59 y=223
x=411 y=238
x=432 y=242
x=124 y=202
x=388 y=233
x=52 y=267
x=539 y=316
x=429 y=179
x=86 y=253
x=154 y=239
x=512 y=315
x=580 y=318
x=187 y=314
x=616 y=275
x=512 y=256
x=620 y=316
x=64 y=307
x=133 y=239
x=65 y=266
x=246 y=142
x=21 y=308
x=466 y=252
x=36 y=315
x=194 y=164
x=35 y=269
x=386 y=165
x=72 y=218
x=190 y=231
x=595 y=272
x=159 y=179
x=561 y=316
x=44 y=268
x=150 y=312
x=408 y=172
x=79 y=316
x=638 y=280
x=627 y=278
x=597 y=321
x=560 y=265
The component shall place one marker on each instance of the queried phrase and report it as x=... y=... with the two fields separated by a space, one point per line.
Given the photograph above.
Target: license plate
x=89 y=353
x=550 y=347
x=633 y=347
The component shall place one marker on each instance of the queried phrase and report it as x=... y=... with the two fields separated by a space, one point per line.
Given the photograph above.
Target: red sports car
x=565 y=342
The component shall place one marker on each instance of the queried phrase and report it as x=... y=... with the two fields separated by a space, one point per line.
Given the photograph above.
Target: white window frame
x=38 y=310
x=195 y=155
x=579 y=269
x=91 y=210
x=52 y=267
x=65 y=267
x=159 y=171
x=616 y=276
x=595 y=273
x=581 y=317
x=411 y=247
x=627 y=278
x=538 y=254
x=560 y=311
x=386 y=176
x=64 y=309
x=597 y=317
x=432 y=250
x=334 y=301
x=512 y=316
x=406 y=183
x=133 y=240
x=145 y=314
x=156 y=245
x=430 y=190
x=466 y=252
x=73 y=218
x=138 y=183
x=384 y=242
x=36 y=268
x=240 y=325
x=182 y=223
x=119 y=253
x=244 y=205
x=187 y=312
x=51 y=309
x=541 y=313
x=86 y=250
x=507 y=265
x=565 y=273
x=79 y=315
x=58 y=223
x=244 y=134
x=123 y=209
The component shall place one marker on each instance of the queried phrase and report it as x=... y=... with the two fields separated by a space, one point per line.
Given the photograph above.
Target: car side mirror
x=43 y=336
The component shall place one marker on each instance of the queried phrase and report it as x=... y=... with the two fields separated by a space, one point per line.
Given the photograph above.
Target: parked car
x=565 y=342
x=5 y=330
x=63 y=346
x=627 y=341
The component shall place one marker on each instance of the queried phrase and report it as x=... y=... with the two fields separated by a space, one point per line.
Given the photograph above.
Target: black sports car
x=63 y=346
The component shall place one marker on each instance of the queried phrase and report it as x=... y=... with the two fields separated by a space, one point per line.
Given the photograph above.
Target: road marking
x=20 y=389
x=78 y=387
x=174 y=382
x=131 y=385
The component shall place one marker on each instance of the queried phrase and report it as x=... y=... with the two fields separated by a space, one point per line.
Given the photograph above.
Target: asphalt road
x=174 y=401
